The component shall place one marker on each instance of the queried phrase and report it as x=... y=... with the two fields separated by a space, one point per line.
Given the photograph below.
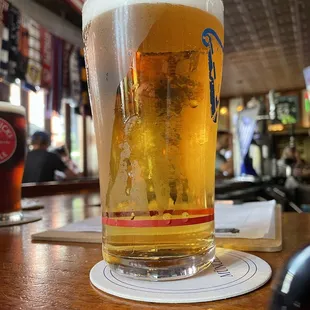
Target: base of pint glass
x=163 y=269
x=11 y=217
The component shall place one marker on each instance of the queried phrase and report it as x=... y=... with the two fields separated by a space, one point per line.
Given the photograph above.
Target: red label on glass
x=7 y=141
x=206 y=215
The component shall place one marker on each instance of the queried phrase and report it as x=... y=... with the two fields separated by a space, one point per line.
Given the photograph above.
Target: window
x=92 y=159
x=77 y=139
x=58 y=130
x=36 y=111
x=15 y=94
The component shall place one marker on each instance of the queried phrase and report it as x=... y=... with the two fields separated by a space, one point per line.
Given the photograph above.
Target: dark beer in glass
x=12 y=159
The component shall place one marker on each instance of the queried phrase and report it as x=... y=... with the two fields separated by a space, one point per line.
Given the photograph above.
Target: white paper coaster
x=232 y=273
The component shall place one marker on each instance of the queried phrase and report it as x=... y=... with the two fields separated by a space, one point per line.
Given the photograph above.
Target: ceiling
x=267 y=43
x=64 y=9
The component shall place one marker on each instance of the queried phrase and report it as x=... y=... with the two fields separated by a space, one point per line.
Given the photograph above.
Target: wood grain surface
x=56 y=276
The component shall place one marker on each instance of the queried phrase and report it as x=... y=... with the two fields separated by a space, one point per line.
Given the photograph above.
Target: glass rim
x=6 y=106
x=215 y=7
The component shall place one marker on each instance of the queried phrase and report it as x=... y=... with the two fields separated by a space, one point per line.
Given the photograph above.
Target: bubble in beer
x=127 y=191
x=129 y=178
x=193 y=103
x=185 y=217
x=167 y=218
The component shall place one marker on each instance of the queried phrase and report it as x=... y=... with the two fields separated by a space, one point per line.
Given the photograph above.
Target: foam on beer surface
x=94 y=8
x=10 y=108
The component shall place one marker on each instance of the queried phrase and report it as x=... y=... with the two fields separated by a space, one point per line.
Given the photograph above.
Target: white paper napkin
x=253 y=220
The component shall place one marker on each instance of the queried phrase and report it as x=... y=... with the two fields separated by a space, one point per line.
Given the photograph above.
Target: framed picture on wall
x=286 y=110
x=305 y=109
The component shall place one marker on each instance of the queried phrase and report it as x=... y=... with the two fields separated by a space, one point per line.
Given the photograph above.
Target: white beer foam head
x=94 y=8
x=10 y=108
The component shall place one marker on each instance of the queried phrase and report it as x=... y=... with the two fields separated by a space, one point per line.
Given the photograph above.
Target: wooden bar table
x=56 y=276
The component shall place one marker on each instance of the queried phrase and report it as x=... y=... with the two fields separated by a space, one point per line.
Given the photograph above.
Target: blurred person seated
x=41 y=165
x=290 y=156
x=63 y=153
x=291 y=164
x=223 y=166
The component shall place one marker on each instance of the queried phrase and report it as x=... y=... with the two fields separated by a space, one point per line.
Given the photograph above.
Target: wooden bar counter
x=56 y=276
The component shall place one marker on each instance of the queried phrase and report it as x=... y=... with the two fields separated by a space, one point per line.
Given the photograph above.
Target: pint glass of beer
x=154 y=71
x=12 y=157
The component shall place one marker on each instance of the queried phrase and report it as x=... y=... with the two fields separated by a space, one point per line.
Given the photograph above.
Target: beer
x=154 y=72
x=12 y=157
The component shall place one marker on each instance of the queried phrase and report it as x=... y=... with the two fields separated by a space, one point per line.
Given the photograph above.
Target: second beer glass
x=12 y=159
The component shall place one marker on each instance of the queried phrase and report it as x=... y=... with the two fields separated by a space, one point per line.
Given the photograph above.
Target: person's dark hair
x=61 y=151
x=41 y=138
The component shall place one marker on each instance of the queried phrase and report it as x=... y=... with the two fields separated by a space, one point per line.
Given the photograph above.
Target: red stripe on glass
x=157 y=223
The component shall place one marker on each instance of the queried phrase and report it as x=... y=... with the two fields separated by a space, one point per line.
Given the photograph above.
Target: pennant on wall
x=1 y=21
x=84 y=88
x=23 y=47
x=47 y=58
x=33 y=74
x=75 y=80
x=4 y=55
x=66 y=52
x=57 y=74
x=13 y=26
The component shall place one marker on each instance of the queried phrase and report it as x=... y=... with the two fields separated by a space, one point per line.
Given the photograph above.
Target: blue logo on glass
x=208 y=36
